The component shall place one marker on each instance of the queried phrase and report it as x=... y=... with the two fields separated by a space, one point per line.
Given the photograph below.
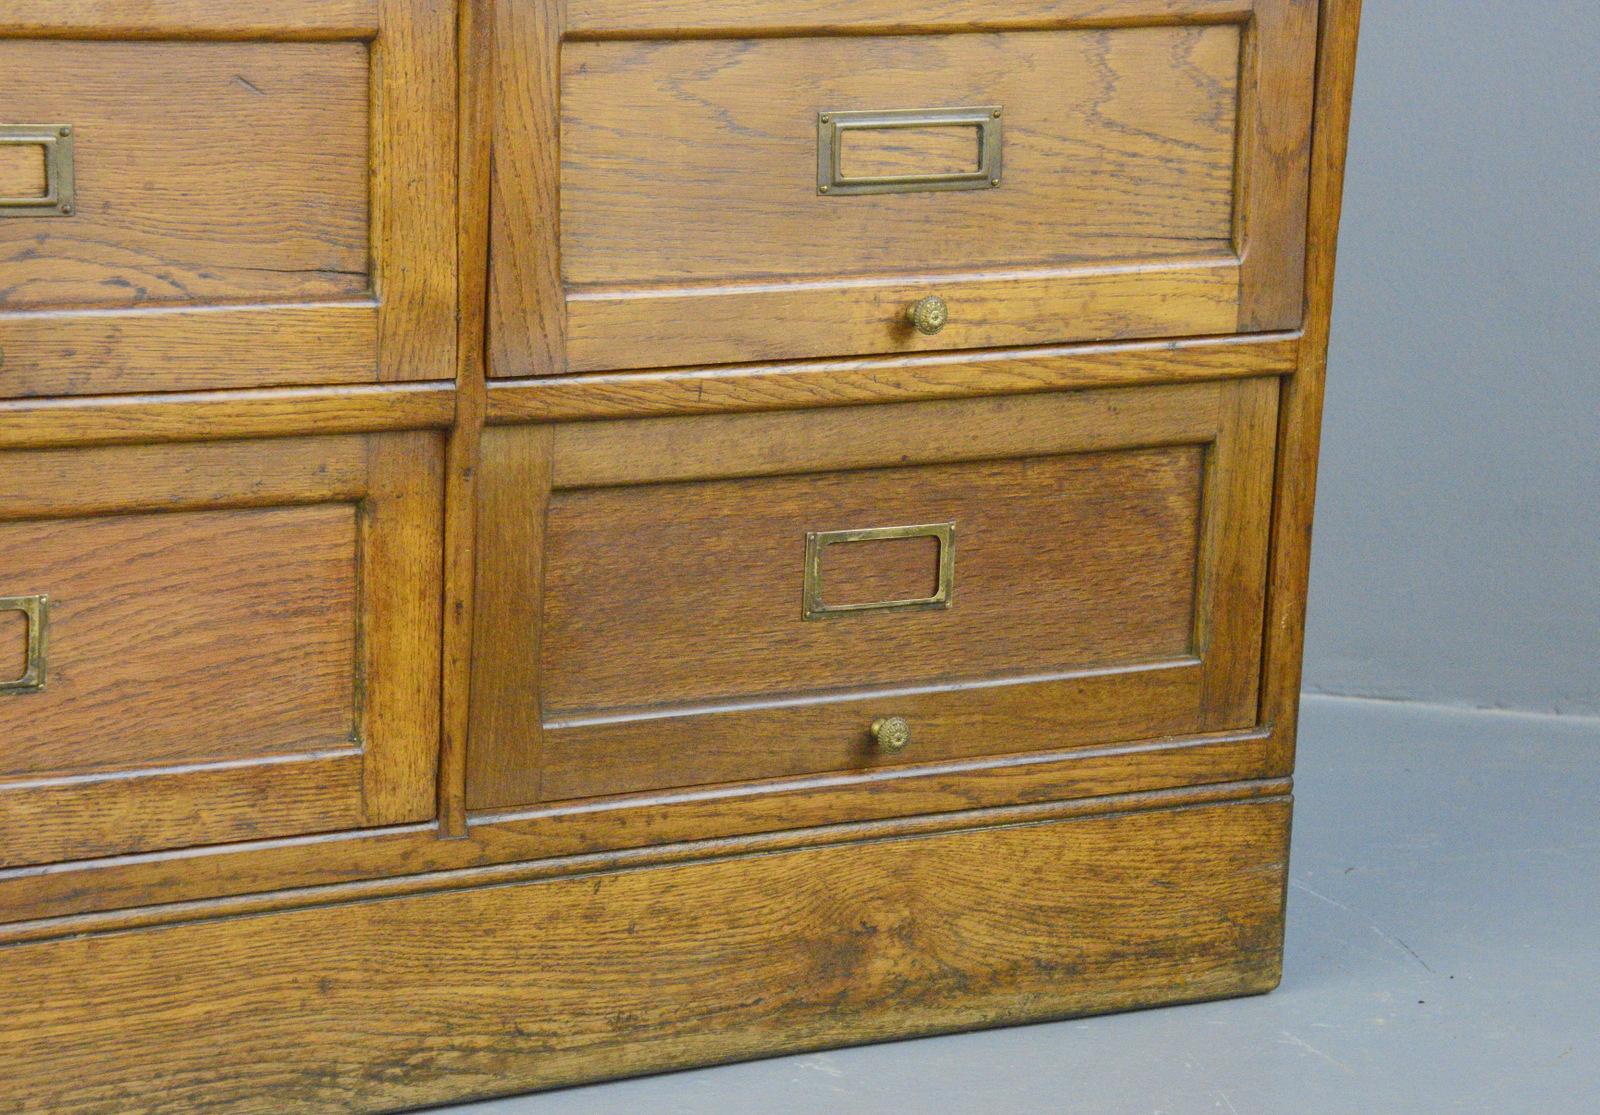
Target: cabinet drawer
x=227 y=213
x=769 y=183
x=218 y=642
x=719 y=599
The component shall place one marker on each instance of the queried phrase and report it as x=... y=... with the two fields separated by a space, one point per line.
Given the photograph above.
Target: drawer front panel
x=225 y=641
x=185 y=637
x=664 y=594
x=1081 y=569
x=743 y=193
x=234 y=213
x=1116 y=145
x=193 y=183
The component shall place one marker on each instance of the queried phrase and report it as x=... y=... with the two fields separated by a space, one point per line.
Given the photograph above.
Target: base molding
x=388 y=1003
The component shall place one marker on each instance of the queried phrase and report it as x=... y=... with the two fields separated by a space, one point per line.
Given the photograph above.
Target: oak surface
x=244 y=641
x=271 y=212
x=206 y=172
x=604 y=975
x=451 y=800
x=647 y=629
x=660 y=208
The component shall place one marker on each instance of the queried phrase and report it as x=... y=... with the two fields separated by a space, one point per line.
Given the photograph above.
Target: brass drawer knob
x=891 y=734
x=929 y=315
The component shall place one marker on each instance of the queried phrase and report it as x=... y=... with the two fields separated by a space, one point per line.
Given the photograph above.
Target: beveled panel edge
x=888 y=379
x=634 y=828
x=680 y=852
x=224 y=415
x=267 y=20
x=81 y=353
x=624 y=19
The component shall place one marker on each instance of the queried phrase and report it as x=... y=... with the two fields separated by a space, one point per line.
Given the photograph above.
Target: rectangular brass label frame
x=819 y=541
x=832 y=126
x=60 y=186
x=37 y=611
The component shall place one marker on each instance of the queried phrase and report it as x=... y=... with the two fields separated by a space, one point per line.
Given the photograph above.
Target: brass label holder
x=37 y=611
x=58 y=199
x=833 y=126
x=814 y=607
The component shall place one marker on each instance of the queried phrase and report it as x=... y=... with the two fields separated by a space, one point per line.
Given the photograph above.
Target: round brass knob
x=891 y=734
x=929 y=315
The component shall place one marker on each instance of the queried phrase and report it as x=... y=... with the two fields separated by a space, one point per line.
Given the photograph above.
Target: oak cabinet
x=546 y=541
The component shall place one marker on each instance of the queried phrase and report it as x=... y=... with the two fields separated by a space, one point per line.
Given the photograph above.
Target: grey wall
x=1457 y=554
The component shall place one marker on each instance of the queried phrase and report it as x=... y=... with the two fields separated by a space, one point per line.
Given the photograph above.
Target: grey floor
x=1443 y=956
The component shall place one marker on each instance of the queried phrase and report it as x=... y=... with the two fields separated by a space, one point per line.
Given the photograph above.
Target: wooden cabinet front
x=770 y=180
x=690 y=601
x=241 y=199
x=216 y=642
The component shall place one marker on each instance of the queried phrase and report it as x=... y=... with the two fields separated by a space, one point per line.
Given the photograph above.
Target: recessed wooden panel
x=495 y=989
x=665 y=594
x=186 y=637
x=1118 y=145
x=243 y=642
x=647 y=578
x=658 y=205
x=265 y=196
x=206 y=172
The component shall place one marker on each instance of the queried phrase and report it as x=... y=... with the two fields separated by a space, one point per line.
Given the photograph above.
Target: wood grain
x=665 y=594
x=241 y=186
x=891 y=152
x=402 y=570
x=185 y=637
x=22 y=171
x=601 y=976
x=187 y=348
x=475 y=105
x=63 y=899
x=822 y=383
x=1230 y=594
x=414 y=165
x=242 y=923
x=506 y=719
x=527 y=313
x=283 y=602
x=222 y=415
x=648 y=327
x=67 y=483
x=1275 y=147
x=809 y=732
x=206 y=172
x=84 y=817
x=608 y=255
x=694 y=18
x=183 y=19
x=695 y=161
x=1300 y=423
x=666 y=450
x=672 y=553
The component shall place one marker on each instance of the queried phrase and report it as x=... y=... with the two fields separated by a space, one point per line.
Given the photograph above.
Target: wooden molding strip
x=1300 y=414
x=822 y=383
x=220 y=415
x=474 y=68
x=683 y=852
x=615 y=19
x=626 y=823
x=179 y=348
x=191 y=19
